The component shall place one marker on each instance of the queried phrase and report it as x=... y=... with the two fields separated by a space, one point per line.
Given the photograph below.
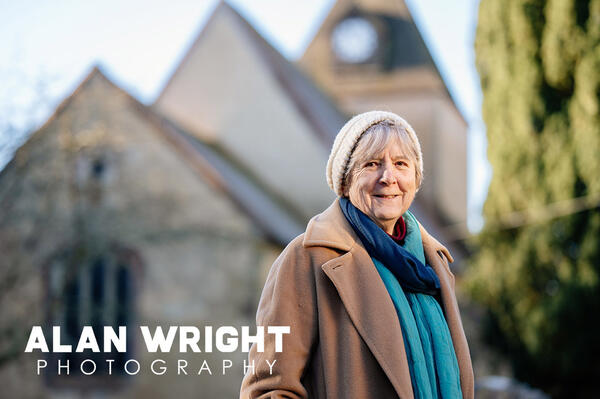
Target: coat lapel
x=372 y=311
x=363 y=294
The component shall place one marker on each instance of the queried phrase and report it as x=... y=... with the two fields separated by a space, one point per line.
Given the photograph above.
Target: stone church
x=118 y=213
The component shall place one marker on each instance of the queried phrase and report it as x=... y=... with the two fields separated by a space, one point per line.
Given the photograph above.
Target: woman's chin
x=387 y=216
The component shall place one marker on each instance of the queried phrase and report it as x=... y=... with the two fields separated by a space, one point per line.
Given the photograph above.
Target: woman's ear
x=346 y=186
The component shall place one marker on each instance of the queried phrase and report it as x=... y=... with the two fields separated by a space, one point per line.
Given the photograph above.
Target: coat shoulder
x=307 y=256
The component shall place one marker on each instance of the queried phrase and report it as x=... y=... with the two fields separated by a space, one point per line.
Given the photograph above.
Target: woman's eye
x=401 y=163
x=370 y=164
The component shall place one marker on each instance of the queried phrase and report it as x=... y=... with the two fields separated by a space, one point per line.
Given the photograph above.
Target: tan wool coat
x=345 y=339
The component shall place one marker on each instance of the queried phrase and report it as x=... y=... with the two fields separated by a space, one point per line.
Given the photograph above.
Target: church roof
x=318 y=109
x=277 y=223
x=267 y=212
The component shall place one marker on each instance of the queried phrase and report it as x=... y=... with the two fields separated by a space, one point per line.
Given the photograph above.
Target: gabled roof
x=275 y=222
x=318 y=109
x=316 y=106
x=233 y=89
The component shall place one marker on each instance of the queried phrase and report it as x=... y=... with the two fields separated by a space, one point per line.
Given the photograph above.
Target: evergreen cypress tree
x=537 y=266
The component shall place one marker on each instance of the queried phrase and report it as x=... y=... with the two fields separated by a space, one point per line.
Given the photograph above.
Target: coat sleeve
x=288 y=299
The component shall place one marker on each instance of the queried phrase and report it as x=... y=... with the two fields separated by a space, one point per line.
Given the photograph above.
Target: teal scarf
x=412 y=285
x=431 y=359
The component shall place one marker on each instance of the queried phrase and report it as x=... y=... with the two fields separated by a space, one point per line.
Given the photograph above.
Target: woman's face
x=384 y=186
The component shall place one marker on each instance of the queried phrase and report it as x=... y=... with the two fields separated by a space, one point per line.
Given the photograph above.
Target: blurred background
x=155 y=158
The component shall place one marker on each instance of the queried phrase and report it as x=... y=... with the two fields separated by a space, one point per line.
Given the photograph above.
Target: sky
x=48 y=47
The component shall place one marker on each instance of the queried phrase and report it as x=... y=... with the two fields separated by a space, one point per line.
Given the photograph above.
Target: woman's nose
x=387 y=174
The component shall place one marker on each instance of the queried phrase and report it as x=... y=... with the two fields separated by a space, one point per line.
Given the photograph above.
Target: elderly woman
x=367 y=293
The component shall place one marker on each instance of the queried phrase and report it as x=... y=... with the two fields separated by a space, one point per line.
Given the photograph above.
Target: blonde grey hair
x=374 y=141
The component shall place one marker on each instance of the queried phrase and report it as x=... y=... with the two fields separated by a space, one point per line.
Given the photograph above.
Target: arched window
x=91 y=286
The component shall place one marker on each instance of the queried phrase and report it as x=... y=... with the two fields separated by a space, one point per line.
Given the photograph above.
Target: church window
x=90 y=288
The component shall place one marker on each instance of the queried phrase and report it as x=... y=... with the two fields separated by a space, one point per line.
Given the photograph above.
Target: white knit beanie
x=348 y=136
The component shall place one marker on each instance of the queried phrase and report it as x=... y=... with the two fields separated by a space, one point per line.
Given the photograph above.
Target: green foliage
x=539 y=63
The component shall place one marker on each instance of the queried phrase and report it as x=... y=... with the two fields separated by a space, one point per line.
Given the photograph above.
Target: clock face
x=354 y=40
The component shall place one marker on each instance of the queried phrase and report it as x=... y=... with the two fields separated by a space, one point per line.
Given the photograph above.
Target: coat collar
x=330 y=229
x=363 y=294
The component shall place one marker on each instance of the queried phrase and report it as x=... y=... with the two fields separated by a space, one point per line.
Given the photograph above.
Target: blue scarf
x=413 y=275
